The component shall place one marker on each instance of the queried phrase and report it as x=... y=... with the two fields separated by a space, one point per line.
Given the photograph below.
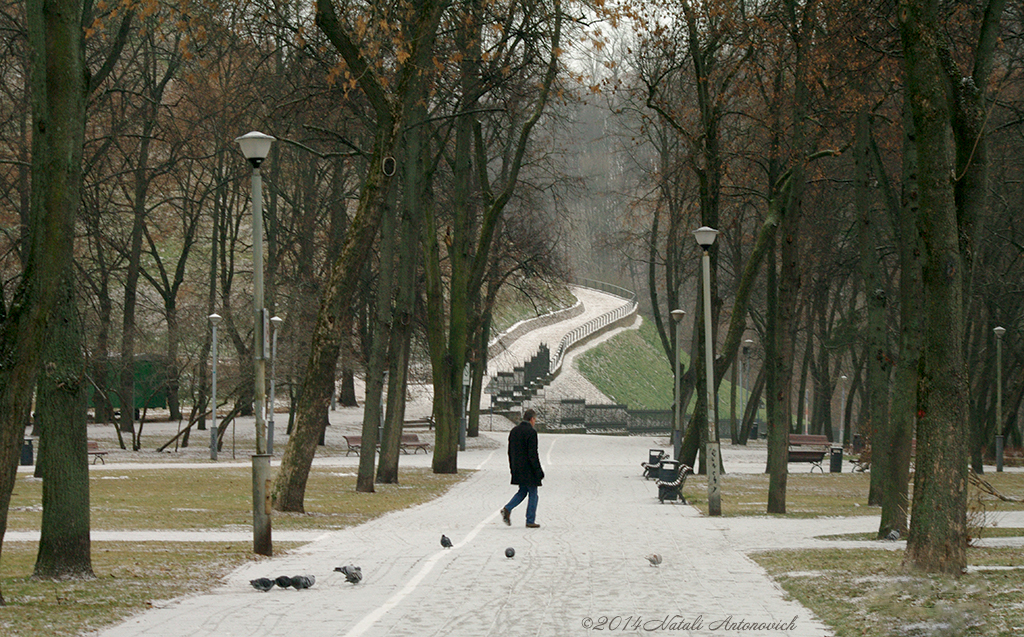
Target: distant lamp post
x=744 y=381
x=214 y=321
x=706 y=237
x=999 y=396
x=677 y=423
x=275 y=327
x=842 y=412
x=256 y=146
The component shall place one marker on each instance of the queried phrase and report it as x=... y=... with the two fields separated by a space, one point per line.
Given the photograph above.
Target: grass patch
x=812 y=495
x=631 y=368
x=200 y=497
x=131 y=576
x=867 y=592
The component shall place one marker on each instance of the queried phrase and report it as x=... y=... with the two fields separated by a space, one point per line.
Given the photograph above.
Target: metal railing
x=596 y=324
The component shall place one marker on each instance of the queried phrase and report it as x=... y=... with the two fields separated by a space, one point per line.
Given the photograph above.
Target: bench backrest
x=808 y=440
x=93 y=446
x=353 y=440
x=410 y=438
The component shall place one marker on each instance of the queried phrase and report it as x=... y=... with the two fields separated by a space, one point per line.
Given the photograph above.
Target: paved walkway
x=599 y=520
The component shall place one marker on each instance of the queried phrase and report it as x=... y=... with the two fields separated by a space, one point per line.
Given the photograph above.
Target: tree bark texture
x=938 y=531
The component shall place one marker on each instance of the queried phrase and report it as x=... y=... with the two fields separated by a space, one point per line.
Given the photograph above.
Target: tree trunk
x=64 y=543
x=879 y=358
x=938 y=531
x=58 y=94
x=903 y=421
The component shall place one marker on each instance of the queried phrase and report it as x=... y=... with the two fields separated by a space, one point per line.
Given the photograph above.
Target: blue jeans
x=531 y=504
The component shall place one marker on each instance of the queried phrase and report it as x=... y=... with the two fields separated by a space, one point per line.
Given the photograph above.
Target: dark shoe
x=532 y=525
x=506 y=516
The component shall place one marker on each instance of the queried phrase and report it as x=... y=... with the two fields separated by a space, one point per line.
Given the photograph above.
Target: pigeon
x=284 y=581
x=445 y=542
x=654 y=559
x=510 y=552
x=353 y=574
x=893 y=535
x=262 y=584
x=300 y=582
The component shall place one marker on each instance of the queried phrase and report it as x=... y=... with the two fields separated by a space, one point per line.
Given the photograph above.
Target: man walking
x=524 y=463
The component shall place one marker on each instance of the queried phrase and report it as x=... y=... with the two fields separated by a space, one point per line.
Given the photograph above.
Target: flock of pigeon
x=354 y=574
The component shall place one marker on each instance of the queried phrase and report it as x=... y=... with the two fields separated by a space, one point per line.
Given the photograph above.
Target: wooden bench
x=671 y=478
x=810 y=448
x=412 y=441
x=419 y=422
x=407 y=442
x=355 y=443
x=94 y=451
x=863 y=461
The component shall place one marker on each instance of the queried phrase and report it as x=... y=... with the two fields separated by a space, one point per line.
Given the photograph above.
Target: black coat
x=522 y=456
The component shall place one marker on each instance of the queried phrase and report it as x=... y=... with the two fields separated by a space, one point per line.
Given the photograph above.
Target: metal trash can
x=753 y=432
x=654 y=456
x=26 y=453
x=836 y=460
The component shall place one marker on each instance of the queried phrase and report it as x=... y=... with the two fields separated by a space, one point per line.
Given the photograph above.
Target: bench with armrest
x=94 y=451
x=671 y=478
x=863 y=461
x=355 y=443
x=653 y=463
x=810 y=448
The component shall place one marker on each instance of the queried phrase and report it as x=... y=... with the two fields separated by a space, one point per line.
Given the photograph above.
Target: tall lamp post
x=842 y=413
x=677 y=424
x=255 y=146
x=706 y=237
x=999 y=396
x=214 y=321
x=744 y=381
x=275 y=327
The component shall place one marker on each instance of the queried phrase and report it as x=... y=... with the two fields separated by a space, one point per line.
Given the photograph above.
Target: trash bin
x=654 y=456
x=836 y=460
x=858 y=443
x=753 y=432
x=26 y=453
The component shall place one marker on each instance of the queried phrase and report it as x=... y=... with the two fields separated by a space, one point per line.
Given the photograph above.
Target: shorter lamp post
x=842 y=412
x=214 y=321
x=999 y=396
x=275 y=327
x=677 y=423
x=706 y=237
x=744 y=381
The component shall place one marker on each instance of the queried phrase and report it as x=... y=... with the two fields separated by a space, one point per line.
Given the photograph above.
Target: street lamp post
x=999 y=396
x=255 y=146
x=706 y=237
x=677 y=423
x=744 y=381
x=275 y=327
x=214 y=321
x=842 y=413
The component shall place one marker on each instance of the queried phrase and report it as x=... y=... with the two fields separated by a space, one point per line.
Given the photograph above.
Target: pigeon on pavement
x=300 y=582
x=262 y=584
x=353 y=574
x=654 y=559
x=445 y=542
x=284 y=581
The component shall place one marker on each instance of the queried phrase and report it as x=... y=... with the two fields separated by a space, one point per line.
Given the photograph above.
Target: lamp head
x=276 y=320
x=677 y=315
x=214 y=319
x=705 y=236
x=255 y=146
x=999 y=331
